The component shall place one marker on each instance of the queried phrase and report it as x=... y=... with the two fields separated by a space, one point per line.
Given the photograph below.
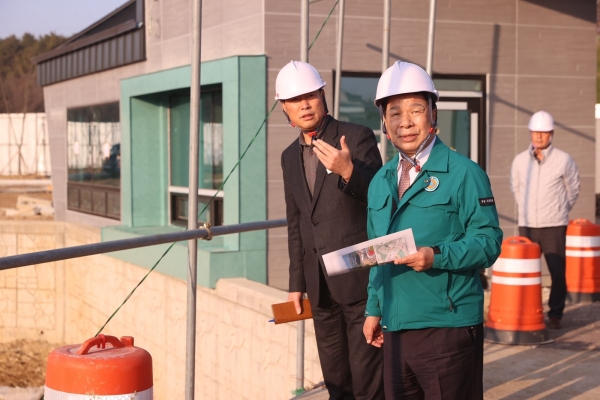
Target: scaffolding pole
x=304 y=30
x=385 y=63
x=190 y=361
x=338 y=61
x=68 y=253
x=300 y=324
x=431 y=37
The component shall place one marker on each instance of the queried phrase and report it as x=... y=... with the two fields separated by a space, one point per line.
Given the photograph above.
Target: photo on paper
x=361 y=258
x=389 y=251
x=370 y=253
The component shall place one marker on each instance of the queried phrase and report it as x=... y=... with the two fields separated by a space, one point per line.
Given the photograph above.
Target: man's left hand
x=421 y=261
x=337 y=161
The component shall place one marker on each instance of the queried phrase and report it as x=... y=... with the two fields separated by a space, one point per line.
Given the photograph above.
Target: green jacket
x=459 y=217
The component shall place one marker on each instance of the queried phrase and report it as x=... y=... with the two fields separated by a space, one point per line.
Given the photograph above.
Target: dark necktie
x=404 y=177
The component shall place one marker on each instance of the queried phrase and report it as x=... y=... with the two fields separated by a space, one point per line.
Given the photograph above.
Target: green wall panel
x=144 y=111
x=149 y=160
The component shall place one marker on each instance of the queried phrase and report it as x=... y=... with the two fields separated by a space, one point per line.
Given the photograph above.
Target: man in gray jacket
x=545 y=183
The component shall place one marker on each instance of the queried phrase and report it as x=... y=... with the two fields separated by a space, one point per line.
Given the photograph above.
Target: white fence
x=24 y=145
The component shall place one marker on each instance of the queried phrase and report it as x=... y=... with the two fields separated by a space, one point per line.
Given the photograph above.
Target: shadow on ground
x=568 y=368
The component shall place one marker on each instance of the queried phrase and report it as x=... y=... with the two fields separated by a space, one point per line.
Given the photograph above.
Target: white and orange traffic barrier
x=516 y=315
x=583 y=261
x=114 y=372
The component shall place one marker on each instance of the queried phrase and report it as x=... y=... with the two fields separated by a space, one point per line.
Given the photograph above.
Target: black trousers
x=434 y=363
x=552 y=241
x=352 y=369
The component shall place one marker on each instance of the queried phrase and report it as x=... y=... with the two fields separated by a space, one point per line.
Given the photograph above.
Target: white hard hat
x=404 y=77
x=297 y=78
x=541 y=121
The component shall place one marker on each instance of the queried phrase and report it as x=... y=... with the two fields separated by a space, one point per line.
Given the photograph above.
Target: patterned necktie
x=404 y=177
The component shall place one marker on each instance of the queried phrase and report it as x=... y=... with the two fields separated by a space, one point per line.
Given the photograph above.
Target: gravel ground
x=24 y=363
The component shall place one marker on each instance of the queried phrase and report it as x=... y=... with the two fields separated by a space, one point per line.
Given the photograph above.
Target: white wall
x=24 y=146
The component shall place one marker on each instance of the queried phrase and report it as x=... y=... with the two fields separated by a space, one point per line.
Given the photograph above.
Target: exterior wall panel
x=136 y=43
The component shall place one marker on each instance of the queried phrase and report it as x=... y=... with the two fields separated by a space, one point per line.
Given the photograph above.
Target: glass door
x=461 y=115
x=461 y=111
x=458 y=128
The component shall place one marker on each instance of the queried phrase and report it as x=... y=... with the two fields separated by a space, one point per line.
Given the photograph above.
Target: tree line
x=19 y=89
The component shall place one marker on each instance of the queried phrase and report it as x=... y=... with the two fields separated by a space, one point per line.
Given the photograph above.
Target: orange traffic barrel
x=103 y=367
x=516 y=314
x=583 y=261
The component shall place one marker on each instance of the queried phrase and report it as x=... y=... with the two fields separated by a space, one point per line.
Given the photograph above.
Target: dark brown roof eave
x=97 y=23
x=98 y=37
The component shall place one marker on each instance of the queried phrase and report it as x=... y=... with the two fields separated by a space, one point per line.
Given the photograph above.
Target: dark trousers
x=552 y=243
x=352 y=369
x=434 y=363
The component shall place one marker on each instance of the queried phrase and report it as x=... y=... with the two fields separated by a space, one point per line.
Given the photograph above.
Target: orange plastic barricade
x=516 y=314
x=104 y=366
x=583 y=261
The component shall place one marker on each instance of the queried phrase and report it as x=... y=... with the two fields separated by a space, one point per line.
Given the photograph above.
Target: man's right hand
x=372 y=331
x=296 y=297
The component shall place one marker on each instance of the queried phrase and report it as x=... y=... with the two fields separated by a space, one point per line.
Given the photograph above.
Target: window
x=94 y=160
x=179 y=209
x=461 y=111
x=357 y=95
x=210 y=166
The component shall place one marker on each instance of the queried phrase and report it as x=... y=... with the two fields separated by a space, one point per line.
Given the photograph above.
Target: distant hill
x=19 y=90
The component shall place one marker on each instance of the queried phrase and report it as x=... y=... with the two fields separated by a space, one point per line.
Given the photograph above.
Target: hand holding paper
x=421 y=261
x=383 y=250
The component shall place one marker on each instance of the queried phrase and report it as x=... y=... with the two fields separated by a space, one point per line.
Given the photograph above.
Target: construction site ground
x=11 y=187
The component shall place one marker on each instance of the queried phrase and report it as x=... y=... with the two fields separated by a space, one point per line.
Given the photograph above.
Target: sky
x=40 y=17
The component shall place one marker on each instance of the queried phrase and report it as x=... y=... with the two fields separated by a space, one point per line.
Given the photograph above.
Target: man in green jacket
x=426 y=309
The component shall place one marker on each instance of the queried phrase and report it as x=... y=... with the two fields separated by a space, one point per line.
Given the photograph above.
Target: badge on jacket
x=487 y=201
x=433 y=184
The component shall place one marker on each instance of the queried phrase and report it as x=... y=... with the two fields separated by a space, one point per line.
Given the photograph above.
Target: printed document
x=371 y=253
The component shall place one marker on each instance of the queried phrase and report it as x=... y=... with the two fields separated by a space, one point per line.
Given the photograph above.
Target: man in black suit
x=326 y=174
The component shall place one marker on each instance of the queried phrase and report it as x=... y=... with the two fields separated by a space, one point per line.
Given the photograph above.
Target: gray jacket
x=545 y=190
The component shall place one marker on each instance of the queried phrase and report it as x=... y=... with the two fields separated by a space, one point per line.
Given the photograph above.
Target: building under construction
x=117 y=98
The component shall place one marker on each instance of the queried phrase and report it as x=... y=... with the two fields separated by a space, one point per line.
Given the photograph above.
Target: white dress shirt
x=422 y=158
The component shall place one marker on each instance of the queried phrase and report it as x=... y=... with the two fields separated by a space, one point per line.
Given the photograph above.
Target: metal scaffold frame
x=24 y=146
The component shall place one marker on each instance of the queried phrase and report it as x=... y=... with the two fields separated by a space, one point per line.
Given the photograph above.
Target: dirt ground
x=22 y=177
x=10 y=193
x=8 y=198
x=23 y=362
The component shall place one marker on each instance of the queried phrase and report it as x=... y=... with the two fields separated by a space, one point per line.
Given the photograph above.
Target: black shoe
x=555 y=323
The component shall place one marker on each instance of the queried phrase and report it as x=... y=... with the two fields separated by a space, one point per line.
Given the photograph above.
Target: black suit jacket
x=334 y=218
